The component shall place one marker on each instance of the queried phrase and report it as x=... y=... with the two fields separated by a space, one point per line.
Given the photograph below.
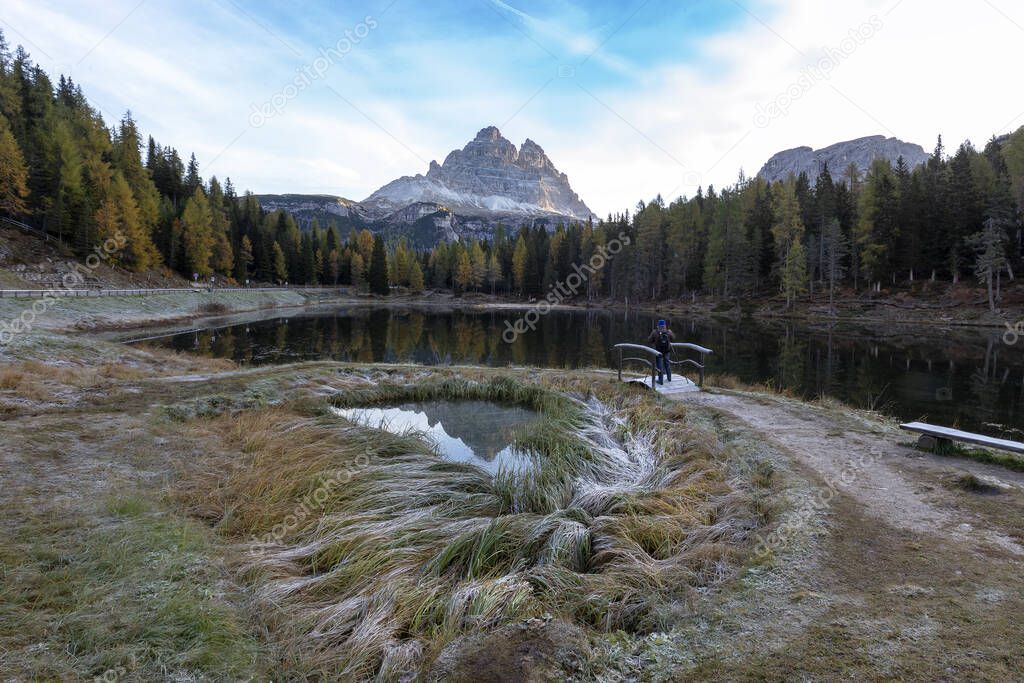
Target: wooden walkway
x=678 y=385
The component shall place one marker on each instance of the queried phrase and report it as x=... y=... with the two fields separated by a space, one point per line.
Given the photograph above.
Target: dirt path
x=900 y=572
x=870 y=462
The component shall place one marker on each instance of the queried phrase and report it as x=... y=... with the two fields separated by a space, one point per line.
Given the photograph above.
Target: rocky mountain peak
x=488 y=179
x=531 y=155
x=860 y=152
x=489 y=133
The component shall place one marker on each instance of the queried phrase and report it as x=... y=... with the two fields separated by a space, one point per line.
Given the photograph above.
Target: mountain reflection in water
x=477 y=432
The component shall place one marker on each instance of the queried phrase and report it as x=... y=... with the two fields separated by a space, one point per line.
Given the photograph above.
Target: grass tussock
x=213 y=308
x=370 y=552
x=967 y=481
x=734 y=383
x=1010 y=461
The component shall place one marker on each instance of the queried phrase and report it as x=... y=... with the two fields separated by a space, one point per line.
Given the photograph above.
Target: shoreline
x=100 y=315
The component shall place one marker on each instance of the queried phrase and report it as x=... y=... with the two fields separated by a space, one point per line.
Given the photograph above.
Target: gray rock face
x=327 y=209
x=296 y=203
x=861 y=152
x=488 y=180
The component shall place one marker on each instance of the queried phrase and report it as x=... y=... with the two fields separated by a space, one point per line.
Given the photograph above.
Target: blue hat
x=661 y=323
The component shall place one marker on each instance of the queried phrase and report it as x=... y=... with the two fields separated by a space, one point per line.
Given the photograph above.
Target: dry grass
x=370 y=553
x=63 y=383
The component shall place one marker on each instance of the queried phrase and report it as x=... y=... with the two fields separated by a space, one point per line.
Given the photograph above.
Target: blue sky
x=630 y=98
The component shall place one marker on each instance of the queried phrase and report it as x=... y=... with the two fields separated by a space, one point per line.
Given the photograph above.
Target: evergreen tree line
x=949 y=218
x=62 y=170
x=953 y=216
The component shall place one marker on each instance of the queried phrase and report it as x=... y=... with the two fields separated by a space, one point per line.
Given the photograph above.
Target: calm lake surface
x=950 y=376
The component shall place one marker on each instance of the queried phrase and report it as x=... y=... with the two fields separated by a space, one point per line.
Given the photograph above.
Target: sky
x=629 y=98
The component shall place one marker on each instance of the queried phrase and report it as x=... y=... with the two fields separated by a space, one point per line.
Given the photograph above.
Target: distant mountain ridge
x=305 y=207
x=491 y=181
x=487 y=182
x=860 y=152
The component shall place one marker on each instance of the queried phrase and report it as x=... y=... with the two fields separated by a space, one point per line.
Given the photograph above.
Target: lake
x=951 y=376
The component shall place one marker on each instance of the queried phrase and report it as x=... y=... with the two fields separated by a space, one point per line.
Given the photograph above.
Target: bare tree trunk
x=821 y=258
x=991 y=301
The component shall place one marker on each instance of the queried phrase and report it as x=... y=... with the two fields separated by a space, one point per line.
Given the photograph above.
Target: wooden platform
x=678 y=385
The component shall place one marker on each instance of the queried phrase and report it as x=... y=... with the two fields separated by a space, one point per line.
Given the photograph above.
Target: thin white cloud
x=557 y=37
x=933 y=67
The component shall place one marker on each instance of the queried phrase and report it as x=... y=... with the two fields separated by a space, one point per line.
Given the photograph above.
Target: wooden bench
x=933 y=436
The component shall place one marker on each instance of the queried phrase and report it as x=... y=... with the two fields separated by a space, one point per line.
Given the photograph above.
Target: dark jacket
x=659 y=343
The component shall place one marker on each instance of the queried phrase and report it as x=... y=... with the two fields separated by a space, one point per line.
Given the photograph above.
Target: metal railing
x=36 y=232
x=689 y=361
x=650 y=357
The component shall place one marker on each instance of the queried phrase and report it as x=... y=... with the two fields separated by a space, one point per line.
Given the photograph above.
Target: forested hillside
x=957 y=216
x=951 y=218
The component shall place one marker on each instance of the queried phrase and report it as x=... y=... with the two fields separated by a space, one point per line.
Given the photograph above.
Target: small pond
x=476 y=432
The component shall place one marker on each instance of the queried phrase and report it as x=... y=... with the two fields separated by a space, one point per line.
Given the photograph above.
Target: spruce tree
x=835 y=248
x=379 y=268
x=989 y=248
x=794 y=273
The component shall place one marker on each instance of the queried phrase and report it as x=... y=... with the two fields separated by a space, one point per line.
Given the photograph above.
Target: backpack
x=663 y=344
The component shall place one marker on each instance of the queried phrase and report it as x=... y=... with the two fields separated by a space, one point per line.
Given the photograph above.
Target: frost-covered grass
x=127 y=590
x=46 y=370
x=126 y=311
x=370 y=553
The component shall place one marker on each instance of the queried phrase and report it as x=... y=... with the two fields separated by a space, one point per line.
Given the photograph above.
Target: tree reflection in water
x=957 y=376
